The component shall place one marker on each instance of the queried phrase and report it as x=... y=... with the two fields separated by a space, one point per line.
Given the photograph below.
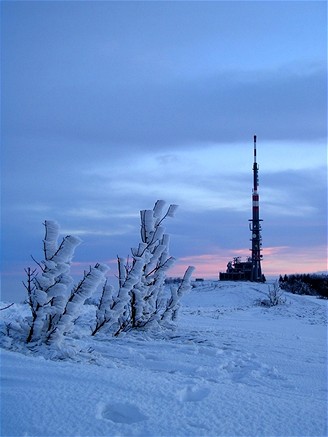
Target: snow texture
x=231 y=368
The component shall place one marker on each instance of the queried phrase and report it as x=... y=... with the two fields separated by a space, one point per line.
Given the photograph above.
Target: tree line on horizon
x=306 y=283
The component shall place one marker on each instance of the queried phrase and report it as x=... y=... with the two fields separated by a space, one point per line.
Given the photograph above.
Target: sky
x=108 y=106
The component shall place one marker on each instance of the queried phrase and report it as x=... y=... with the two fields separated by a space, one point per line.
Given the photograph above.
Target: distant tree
x=275 y=296
x=309 y=284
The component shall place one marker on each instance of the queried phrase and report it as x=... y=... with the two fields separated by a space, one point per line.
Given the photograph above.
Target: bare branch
x=42 y=267
x=8 y=306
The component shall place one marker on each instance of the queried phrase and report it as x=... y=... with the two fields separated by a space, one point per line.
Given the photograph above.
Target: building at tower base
x=238 y=270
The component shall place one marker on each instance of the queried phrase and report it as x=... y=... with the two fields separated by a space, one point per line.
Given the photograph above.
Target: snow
x=51 y=238
x=231 y=368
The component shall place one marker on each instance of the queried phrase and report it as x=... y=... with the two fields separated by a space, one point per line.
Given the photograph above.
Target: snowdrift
x=230 y=368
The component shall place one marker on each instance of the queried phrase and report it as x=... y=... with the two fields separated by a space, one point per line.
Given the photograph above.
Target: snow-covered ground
x=231 y=368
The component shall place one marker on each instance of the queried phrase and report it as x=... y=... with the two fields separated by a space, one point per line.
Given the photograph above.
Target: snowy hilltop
x=230 y=367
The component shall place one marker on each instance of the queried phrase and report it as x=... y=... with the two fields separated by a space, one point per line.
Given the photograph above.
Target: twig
x=8 y=306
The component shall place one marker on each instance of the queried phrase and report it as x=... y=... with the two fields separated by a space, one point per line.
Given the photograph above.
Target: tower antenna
x=250 y=270
x=255 y=225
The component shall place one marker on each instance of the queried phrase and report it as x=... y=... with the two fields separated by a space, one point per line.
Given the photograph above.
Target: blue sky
x=109 y=106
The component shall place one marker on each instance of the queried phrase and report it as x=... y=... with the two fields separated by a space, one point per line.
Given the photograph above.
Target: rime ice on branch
x=142 y=296
x=52 y=300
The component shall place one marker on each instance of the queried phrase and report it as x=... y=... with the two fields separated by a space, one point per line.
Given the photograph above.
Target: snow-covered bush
x=53 y=300
x=275 y=296
x=142 y=298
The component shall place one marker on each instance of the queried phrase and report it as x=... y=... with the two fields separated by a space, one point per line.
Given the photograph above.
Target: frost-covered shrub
x=275 y=296
x=142 y=298
x=173 y=304
x=53 y=300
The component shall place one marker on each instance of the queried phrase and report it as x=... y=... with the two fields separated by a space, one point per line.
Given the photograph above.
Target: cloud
x=222 y=107
x=105 y=79
x=276 y=260
x=285 y=260
x=94 y=232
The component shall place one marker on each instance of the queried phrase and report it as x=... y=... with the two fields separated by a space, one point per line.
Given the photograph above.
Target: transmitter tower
x=255 y=225
x=249 y=270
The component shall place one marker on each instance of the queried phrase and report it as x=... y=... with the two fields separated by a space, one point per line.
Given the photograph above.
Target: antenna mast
x=249 y=270
x=255 y=226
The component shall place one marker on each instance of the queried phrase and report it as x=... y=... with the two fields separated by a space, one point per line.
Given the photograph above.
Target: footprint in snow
x=192 y=394
x=120 y=413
